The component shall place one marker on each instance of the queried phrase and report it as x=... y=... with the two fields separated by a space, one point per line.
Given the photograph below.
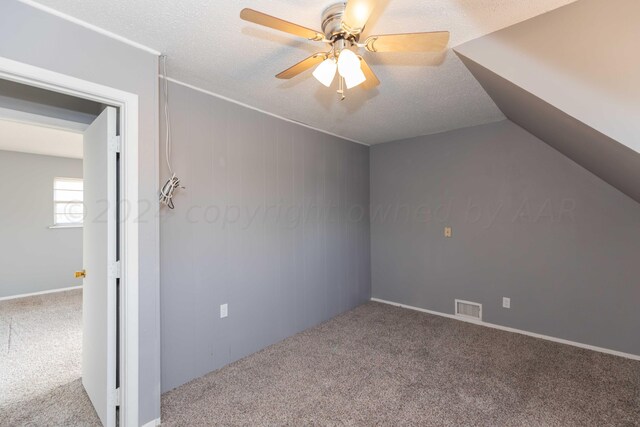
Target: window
x=67 y=202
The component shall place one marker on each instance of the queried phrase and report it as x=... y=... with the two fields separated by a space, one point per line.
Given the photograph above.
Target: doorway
x=109 y=263
x=40 y=301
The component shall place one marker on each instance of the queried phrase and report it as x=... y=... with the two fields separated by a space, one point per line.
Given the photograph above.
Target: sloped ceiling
x=571 y=78
x=210 y=47
x=20 y=102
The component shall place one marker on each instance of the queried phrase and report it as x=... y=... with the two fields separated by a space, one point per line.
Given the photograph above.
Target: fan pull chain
x=341 y=88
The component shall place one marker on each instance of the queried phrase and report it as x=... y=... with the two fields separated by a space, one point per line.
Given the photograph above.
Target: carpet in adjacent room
x=40 y=362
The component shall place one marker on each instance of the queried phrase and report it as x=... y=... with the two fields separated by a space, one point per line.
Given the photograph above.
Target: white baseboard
x=41 y=293
x=152 y=423
x=514 y=330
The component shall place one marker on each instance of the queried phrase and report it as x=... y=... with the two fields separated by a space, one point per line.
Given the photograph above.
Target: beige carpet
x=40 y=356
x=383 y=365
x=376 y=365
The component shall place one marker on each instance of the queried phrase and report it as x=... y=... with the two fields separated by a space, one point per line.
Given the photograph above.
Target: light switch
x=224 y=310
x=506 y=302
x=447 y=232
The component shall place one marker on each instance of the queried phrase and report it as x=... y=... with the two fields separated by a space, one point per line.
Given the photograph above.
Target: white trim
x=152 y=423
x=128 y=111
x=514 y=330
x=242 y=104
x=56 y=202
x=89 y=26
x=33 y=294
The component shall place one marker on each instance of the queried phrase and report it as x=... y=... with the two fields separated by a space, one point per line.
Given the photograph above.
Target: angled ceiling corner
x=568 y=77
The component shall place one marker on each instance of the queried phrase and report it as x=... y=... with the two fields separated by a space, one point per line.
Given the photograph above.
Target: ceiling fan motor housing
x=332 y=23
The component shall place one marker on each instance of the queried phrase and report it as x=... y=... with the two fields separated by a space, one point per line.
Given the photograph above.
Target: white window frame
x=57 y=224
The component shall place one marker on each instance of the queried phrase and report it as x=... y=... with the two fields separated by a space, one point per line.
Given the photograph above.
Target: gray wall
x=246 y=231
x=37 y=38
x=33 y=257
x=528 y=223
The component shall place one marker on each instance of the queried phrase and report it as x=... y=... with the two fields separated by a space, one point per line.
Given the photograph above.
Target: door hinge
x=117 y=396
x=115 y=271
x=115 y=143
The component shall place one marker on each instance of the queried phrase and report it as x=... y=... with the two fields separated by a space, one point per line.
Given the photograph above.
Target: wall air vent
x=471 y=310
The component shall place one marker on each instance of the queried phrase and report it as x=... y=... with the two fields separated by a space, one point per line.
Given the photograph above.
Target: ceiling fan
x=342 y=25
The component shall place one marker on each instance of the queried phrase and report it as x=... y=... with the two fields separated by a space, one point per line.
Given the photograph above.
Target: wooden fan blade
x=372 y=81
x=280 y=24
x=356 y=15
x=303 y=65
x=410 y=42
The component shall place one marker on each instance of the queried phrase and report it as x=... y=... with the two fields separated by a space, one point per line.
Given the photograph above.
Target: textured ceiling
x=210 y=47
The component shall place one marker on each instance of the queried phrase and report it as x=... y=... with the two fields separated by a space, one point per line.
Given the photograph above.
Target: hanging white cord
x=166 y=192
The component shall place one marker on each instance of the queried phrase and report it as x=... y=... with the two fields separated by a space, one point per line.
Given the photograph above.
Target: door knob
x=81 y=274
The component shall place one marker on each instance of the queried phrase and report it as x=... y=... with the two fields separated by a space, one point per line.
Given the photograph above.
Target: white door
x=99 y=263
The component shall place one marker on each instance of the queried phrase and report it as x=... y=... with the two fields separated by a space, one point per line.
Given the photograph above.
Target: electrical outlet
x=224 y=310
x=506 y=302
x=447 y=232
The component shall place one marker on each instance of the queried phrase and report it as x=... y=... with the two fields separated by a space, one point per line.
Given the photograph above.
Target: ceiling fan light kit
x=326 y=71
x=342 y=25
x=349 y=68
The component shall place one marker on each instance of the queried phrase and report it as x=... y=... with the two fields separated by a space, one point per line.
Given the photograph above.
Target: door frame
x=127 y=104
